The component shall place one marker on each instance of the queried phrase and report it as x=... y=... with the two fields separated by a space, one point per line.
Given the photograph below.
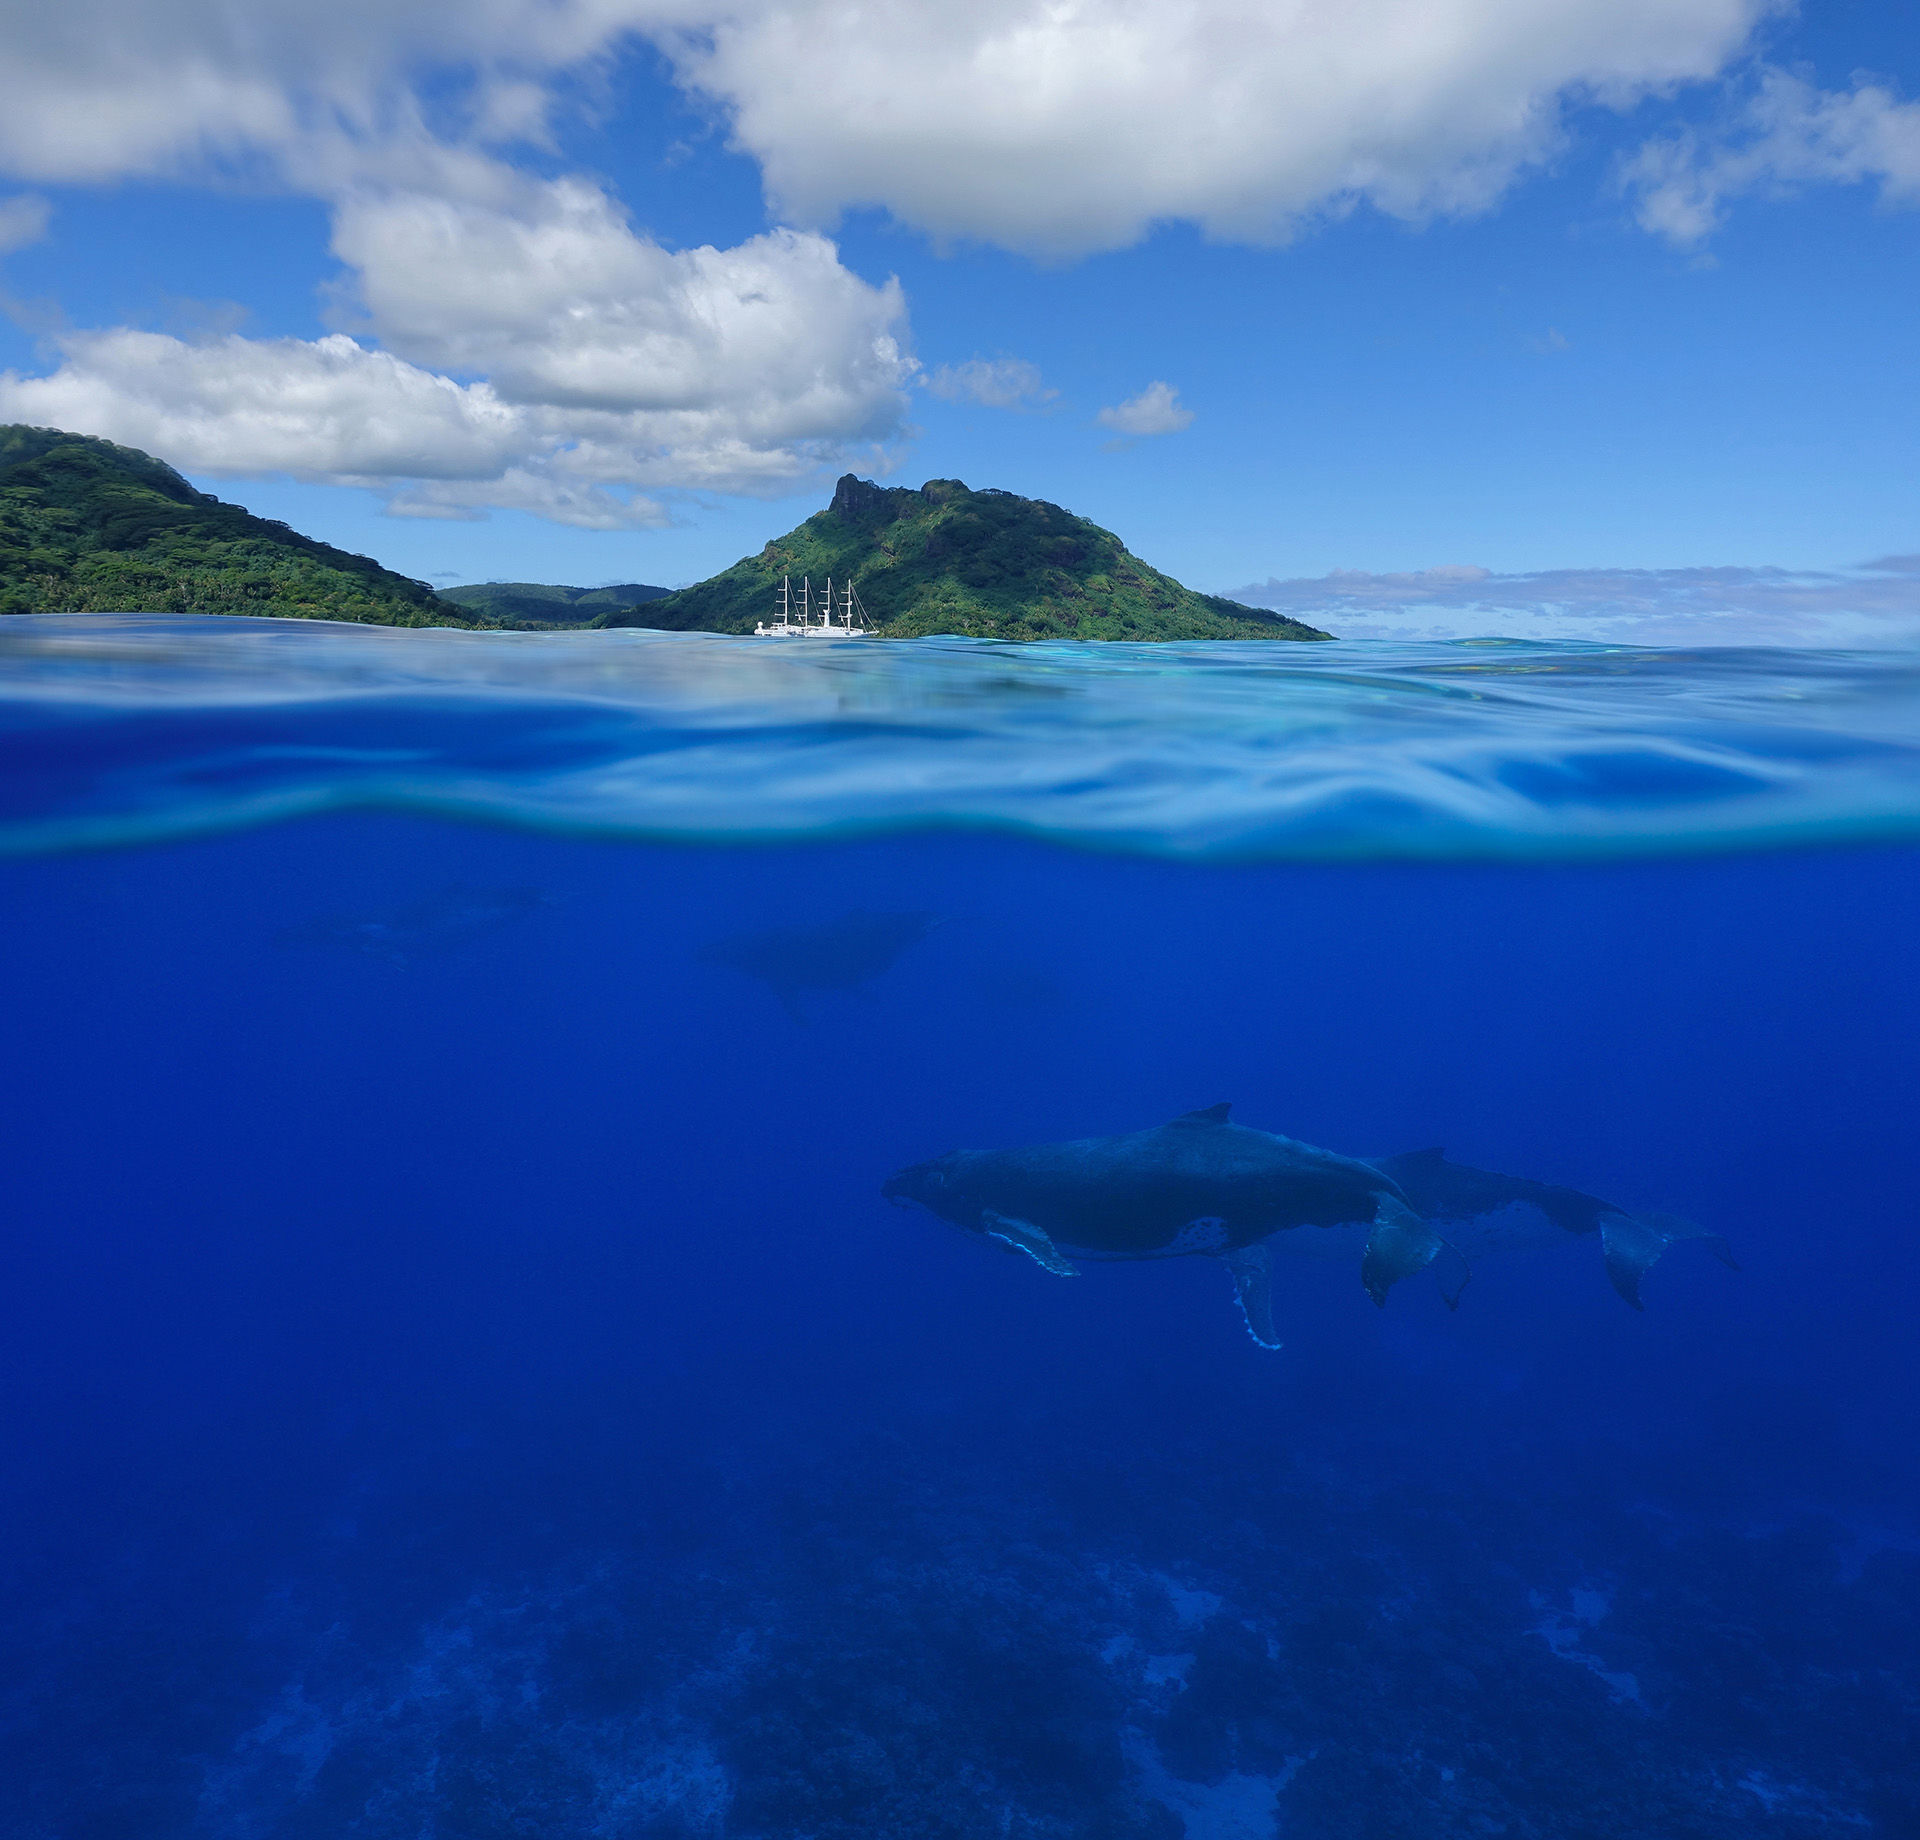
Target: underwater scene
x=640 y=1235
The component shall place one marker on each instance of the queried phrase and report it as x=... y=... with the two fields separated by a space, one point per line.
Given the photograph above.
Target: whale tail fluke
x=1400 y=1244
x=1630 y=1244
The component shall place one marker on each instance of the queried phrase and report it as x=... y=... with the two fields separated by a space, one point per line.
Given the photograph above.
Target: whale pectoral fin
x=1400 y=1244
x=1025 y=1237
x=1252 y=1269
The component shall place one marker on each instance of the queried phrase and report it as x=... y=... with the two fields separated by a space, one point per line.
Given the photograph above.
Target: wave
x=123 y=729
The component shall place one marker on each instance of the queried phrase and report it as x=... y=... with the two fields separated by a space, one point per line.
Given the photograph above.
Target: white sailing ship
x=796 y=619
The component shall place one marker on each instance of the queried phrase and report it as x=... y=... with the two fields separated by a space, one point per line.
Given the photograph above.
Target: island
x=946 y=558
x=87 y=526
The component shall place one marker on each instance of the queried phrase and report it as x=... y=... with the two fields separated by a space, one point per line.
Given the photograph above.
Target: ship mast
x=796 y=611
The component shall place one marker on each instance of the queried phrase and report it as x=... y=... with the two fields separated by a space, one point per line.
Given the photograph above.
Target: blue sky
x=1516 y=314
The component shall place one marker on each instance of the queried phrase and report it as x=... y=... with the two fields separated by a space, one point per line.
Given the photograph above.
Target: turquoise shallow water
x=126 y=729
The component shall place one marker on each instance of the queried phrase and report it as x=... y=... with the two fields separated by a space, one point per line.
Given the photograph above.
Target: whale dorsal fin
x=1212 y=1114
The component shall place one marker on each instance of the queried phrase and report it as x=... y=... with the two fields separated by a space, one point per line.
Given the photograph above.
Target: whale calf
x=1476 y=1206
x=1204 y=1186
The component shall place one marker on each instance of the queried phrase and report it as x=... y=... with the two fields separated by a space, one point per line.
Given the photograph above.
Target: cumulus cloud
x=993 y=383
x=1785 y=136
x=1064 y=126
x=560 y=303
x=326 y=408
x=102 y=89
x=515 y=343
x=1058 y=126
x=544 y=358
x=23 y=220
x=1156 y=410
x=526 y=329
x=1877 y=603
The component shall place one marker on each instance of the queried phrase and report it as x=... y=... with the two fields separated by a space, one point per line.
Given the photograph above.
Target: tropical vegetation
x=948 y=559
x=502 y=603
x=90 y=527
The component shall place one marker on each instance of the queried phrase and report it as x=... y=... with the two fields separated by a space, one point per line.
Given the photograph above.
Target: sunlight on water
x=125 y=729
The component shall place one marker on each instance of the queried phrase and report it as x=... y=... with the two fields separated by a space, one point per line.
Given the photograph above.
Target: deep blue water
x=461 y=1378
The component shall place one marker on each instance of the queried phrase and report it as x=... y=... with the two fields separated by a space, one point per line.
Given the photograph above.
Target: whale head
x=934 y=1186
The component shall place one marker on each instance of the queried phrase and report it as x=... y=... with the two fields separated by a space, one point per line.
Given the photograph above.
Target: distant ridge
x=497 y=601
x=90 y=527
x=948 y=559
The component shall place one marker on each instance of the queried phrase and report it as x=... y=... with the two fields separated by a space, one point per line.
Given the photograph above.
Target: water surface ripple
x=125 y=729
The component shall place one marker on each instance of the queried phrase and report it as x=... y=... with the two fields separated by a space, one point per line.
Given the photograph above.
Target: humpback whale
x=435 y=926
x=1461 y=1196
x=1202 y=1185
x=840 y=955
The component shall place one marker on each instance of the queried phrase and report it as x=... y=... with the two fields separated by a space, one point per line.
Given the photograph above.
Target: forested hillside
x=89 y=527
x=542 y=602
x=947 y=559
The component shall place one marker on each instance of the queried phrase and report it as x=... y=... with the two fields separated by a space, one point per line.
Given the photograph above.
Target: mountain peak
x=947 y=558
x=860 y=501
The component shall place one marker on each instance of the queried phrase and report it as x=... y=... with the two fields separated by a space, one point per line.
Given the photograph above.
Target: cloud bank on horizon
x=1877 y=604
x=507 y=338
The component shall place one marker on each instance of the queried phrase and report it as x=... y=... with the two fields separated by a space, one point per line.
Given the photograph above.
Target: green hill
x=946 y=559
x=88 y=527
x=500 y=601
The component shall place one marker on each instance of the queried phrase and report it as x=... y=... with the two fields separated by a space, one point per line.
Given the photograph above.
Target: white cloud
x=23 y=220
x=1787 y=135
x=101 y=89
x=1875 y=604
x=1058 y=126
x=561 y=304
x=994 y=383
x=1064 y=126
x=541 y=357
x=327 y=408
x=1156 y=410
x=588 y=365
x=542 y=489
x=519 y=343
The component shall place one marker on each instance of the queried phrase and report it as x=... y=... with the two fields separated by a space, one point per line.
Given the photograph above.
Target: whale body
x=1198 y=1185
x=1204 y=1186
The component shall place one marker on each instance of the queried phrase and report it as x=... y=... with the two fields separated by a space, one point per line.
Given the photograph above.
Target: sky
x=1563 y=318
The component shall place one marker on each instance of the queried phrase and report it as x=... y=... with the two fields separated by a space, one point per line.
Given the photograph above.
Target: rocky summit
x=948 y=559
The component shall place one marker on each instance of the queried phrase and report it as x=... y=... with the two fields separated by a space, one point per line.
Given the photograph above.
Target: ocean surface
x=462 y=1379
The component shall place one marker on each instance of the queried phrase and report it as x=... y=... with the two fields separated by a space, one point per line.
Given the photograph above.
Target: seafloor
x=908 y=1639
